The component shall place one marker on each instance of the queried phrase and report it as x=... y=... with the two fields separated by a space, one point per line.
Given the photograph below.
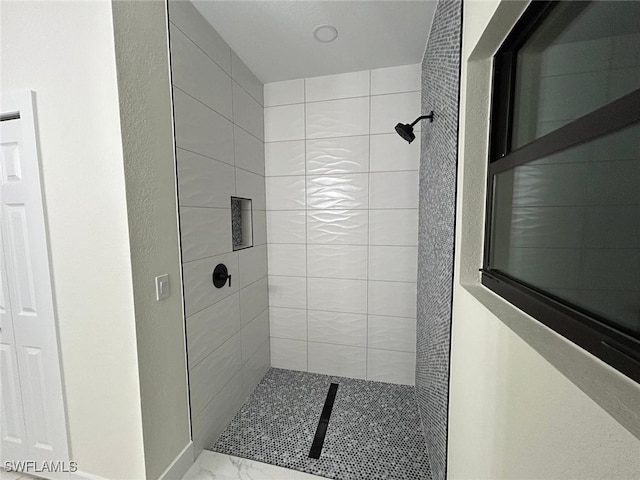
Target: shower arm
x=430 y=117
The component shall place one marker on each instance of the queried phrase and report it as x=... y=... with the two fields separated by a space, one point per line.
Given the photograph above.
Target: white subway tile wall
x=342 y=223
x=219 y=127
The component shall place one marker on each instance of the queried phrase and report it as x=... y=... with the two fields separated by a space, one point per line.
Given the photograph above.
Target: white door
x=33 y=413
x=14 y=444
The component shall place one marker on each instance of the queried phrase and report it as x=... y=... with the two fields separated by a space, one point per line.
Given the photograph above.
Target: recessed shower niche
x=241 y=223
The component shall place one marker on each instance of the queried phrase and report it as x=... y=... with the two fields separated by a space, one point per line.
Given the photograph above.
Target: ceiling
x=275 y=38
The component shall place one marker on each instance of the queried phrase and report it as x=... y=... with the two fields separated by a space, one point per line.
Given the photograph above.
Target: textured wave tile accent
x=254 y=335
x=246 y=79
x=406 y=78
x=395 y=299
x=210 y=328
x=285 y=193
x=215 y=370
x=284 y=93
x=342 y=85
x=288 y=323
x=338 y=328
x=284 y=123
x=253 y=264
x=287 y=292
x=393 y=227
x=205 y=232
x=338 y=155
x=392 y=333
x=348 y=191
x=394 y=190
x=194 y=72
x=247 y=112
x=386 y=108
x=254 y=369
x=288 y=259
x=374 y=431
x=337 y=261
x=185 y=16
x=390 y=153
x=253 y=300
x=345 y=227
x=286 y=226
x=337 y=295
x=284 y=158
x=199 y=291
x=208 y=424
x=343 y=360
x=249 y=151
x=338 y=118
x=196 y=177
x=393 y=264
x=390 y=366
x=202 y=130
x=287 y=353
x=251 y=185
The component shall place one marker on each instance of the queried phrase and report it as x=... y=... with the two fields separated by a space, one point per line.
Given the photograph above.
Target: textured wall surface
x=65 y=53
x=220 y=153
x=142 y=60
x=440 y=89
x=342 y=217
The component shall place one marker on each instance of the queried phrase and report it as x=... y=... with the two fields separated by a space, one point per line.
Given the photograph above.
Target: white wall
x=516 y=410
x=220 y=153
x=142 y=58
x=342 y=199
x=65 y=52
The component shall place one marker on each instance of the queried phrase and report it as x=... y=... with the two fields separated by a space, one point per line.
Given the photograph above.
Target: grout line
x=368 y=237
x=242 y=327
x=346 y=344
x=377 y=134
x=178 y=147
x=312 y=211
x=344 y=98
x=293 y=244
x=230 y=120
x=409 y=282
x=221 y=254
x=230 y=75
x=227 y=296
x=364 y=172
x=306 y=243
x=343 y=312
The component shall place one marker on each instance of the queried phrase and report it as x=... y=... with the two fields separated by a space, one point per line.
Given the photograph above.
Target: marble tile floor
x=216 y=466
x=4 y=475
x=219 y=466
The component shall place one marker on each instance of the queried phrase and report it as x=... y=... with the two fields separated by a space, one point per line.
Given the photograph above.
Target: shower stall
x=300 y=209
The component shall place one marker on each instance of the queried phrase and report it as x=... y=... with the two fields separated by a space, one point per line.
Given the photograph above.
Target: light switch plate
x=162 y=287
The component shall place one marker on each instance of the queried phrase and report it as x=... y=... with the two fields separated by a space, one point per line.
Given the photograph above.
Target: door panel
x=29 y=290
x=12 y=425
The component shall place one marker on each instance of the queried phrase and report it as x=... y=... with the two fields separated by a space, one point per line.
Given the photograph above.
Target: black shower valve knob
x=221 y=275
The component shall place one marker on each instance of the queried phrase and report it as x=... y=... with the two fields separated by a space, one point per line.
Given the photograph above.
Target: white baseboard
x=180 y=464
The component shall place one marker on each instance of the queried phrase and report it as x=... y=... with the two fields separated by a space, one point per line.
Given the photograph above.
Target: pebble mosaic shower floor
x=374 y=431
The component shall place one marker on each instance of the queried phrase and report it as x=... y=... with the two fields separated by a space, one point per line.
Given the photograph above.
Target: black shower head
x=405 y=130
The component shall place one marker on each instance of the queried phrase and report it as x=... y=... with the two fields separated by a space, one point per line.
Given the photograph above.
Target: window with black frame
x=563 y=206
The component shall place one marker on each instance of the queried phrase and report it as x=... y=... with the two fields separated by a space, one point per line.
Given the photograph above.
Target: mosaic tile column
x=437 y=208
